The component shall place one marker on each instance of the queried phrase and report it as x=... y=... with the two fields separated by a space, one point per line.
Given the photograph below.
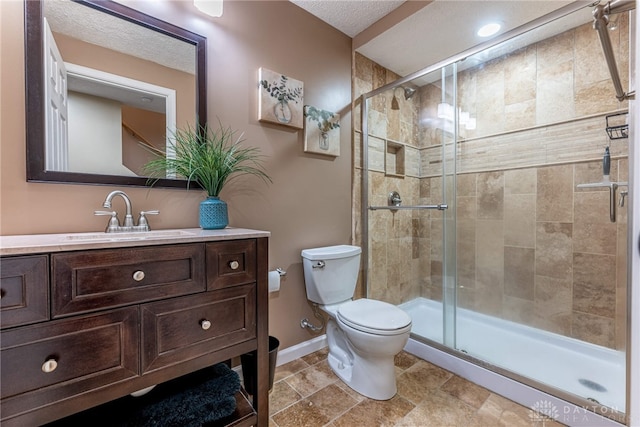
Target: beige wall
x=309 y=202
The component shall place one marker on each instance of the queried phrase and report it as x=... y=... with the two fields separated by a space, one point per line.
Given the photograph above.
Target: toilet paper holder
x=281 y=272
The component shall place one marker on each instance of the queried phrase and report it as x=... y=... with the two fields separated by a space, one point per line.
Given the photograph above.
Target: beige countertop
x=40 y=243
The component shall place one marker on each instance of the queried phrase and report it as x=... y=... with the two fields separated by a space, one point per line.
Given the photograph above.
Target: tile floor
x=306 y=393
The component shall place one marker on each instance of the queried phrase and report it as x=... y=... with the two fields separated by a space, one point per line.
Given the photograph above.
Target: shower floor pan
x=586 y=370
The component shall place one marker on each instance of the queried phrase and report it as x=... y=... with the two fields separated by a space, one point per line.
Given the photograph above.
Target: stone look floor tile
x=281 y=396
x=289 y=369
x=332 y=401
x=416 y=382
x=312 y=379
x=376 y=413
x=440 y=409
x=309 y=394
x=404 y=360
x=470 y=393
x=316 y=357
x=351 y=392
x=301 y=413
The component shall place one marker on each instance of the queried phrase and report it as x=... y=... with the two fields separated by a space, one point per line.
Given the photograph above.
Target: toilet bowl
x=362 y=349
x=363 y=335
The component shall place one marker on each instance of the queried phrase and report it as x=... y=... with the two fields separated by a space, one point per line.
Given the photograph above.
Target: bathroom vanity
x=90 y=317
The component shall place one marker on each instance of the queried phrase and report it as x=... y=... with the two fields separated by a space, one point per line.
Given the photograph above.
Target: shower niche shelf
x=394 y=159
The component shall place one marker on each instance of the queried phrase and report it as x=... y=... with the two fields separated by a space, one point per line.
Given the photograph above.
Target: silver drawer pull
x=49 y=366
x=138 y=275
x=234 y=265
x=205 y=324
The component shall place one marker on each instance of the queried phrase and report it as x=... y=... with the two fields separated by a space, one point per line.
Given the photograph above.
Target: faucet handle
x=114 y=224
x=142 y=221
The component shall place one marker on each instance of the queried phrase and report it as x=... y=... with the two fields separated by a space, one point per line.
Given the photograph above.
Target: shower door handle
x=439 y=207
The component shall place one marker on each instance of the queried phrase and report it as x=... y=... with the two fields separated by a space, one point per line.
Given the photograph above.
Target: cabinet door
x=108 y=278
x=189 y=327
x=55 y=360
x=24 y=290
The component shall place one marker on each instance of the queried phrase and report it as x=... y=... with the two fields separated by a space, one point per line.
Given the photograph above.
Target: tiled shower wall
x=531 y=246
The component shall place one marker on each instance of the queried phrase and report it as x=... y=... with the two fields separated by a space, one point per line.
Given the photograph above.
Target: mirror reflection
x=117 y=83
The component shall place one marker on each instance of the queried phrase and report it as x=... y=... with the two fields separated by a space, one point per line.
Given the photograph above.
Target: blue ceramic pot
x=213 y=214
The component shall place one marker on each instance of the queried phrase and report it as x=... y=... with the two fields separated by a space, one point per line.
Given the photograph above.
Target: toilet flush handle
x=319 y=264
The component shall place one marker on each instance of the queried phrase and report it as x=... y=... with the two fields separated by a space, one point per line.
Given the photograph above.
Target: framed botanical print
x=280 y=99
x=321 y=131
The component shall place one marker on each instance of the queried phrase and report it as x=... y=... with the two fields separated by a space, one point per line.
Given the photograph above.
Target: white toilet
x=364 y=335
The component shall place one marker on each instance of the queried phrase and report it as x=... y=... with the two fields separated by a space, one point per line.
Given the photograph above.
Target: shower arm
x=600 y=21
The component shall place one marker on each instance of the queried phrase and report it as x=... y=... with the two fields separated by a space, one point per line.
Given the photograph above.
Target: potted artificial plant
x=210 y=158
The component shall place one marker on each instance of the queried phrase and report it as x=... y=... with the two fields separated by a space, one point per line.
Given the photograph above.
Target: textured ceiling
x=445 y=28
x=351 y=16
x=434 y=33
x=98 y=28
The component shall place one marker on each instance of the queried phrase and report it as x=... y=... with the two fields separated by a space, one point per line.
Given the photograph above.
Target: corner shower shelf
x=615 y=129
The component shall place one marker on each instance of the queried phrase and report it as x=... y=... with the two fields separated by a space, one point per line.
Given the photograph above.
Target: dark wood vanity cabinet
x=24 y=294
x=81 y=328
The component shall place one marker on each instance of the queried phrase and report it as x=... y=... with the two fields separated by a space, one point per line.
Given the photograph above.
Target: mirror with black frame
x=118 y=84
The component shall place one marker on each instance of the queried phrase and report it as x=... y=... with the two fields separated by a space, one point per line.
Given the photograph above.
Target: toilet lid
x=374 y=316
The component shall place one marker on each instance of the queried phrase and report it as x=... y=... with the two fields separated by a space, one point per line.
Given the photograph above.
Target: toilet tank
x=331 y=273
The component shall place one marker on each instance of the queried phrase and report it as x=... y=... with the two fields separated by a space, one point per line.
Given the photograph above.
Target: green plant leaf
x=209 y=157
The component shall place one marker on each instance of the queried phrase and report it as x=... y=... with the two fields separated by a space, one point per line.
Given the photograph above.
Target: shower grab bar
x=600 y=21
x=440 y=207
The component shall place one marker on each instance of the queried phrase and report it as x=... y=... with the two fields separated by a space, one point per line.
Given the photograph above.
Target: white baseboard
x=299 y=350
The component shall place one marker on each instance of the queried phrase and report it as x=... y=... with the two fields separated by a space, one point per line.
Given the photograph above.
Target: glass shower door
x=541 y=230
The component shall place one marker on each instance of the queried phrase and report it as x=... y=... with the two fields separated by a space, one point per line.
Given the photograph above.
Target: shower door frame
x=632 y=414
x=633 y=241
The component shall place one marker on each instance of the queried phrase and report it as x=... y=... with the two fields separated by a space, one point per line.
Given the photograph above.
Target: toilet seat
x=375 y=317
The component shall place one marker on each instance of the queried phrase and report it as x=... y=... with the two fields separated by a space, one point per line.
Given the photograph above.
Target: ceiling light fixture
x=489 y=29
x=210 y=7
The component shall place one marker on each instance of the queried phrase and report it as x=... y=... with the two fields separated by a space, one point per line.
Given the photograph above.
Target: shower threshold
x=587 y=370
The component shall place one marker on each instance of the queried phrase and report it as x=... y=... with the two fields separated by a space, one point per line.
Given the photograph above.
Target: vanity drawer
x=231 y=263
x=24 y=290
x=62 y=358
x=189 y=327
x=99 y=279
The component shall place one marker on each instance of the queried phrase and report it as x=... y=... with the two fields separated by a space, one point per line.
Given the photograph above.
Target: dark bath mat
x=194 y=400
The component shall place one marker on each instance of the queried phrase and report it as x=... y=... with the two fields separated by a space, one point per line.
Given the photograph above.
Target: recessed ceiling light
x=489 y=29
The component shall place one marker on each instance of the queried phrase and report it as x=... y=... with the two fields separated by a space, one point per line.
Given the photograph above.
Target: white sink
x=140 y=235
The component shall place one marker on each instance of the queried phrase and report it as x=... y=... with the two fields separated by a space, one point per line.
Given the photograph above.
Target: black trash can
x=249 y=365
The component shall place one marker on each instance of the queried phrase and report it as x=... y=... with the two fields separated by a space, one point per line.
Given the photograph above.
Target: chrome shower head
x=409 y=92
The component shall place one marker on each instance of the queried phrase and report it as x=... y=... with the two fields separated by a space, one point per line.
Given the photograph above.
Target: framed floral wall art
x=321 y=131
x=280 y=99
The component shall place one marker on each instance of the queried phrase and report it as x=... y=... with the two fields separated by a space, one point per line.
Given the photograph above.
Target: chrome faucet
x=114 y=224
x=128 y=219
